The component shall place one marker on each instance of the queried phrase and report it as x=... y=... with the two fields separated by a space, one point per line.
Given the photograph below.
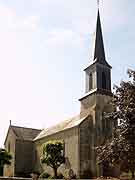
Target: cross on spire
x=98 y=3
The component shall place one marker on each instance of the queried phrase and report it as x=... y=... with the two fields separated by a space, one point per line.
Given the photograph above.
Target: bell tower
x=94 y=102
x=96 y=99
x=97 y=74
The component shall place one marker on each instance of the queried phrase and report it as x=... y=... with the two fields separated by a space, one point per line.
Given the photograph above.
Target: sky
x=44 y=47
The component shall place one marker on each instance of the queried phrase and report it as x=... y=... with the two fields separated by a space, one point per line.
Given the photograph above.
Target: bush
x=45 y=175
x=51 y=177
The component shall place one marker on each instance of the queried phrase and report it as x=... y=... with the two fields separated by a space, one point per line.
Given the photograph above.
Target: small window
x=90 y=81
x=103 y=80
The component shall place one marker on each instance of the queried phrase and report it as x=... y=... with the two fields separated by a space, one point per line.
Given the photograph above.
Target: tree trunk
x=55 y=172
x=132 y=174
x=1 y=170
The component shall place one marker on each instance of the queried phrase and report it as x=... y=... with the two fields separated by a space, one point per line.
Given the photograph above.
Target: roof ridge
x=68 y=120
x=25 y=127
x=69 y=123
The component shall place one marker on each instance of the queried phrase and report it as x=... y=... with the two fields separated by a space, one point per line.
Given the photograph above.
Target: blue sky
x=44 y=47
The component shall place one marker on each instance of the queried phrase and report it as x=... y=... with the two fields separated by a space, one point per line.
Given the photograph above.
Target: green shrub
x=51 y=177
x=45 y=175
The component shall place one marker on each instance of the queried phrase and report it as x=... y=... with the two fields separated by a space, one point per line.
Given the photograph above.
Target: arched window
x=90 y=82
x=103 y=80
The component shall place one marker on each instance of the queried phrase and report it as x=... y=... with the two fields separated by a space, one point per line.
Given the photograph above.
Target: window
x=90 y=82
x=103 y=80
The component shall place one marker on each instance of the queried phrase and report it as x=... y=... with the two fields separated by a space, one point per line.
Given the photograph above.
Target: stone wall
x=24 y=158
x=95 y=105
x=71 y=141
x=86 y=150
x=88 y=105
x=103 y=128
x=10 y=147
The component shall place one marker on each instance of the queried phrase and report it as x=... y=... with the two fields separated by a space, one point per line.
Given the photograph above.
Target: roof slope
x=70 y=123
x=24 y=133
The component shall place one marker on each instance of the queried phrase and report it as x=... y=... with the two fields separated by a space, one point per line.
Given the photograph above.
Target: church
x=81 y=134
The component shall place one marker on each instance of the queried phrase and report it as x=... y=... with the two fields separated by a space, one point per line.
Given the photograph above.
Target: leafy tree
x=53 y=155
x=5 y=158
x=121 y=148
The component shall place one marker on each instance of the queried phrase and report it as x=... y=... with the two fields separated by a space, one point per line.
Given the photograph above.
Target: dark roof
x=99 y=52
x=24 y=133
x=67 y=124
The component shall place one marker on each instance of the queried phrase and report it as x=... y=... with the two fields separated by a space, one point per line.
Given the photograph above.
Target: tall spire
x=99 y=52
x=98 y=72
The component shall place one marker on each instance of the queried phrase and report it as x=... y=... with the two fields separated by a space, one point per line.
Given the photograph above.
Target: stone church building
x=81 y=134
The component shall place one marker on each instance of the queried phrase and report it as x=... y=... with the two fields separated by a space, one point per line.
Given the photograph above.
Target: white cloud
x=10 y=21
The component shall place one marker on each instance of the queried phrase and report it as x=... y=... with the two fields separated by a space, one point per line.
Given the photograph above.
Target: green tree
x=53 y=155
x=120 y=149
x=5 y=158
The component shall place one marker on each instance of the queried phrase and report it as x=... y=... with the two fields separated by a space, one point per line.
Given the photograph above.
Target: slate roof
x=24 y=133
x=99 y=52
x=70 y=123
